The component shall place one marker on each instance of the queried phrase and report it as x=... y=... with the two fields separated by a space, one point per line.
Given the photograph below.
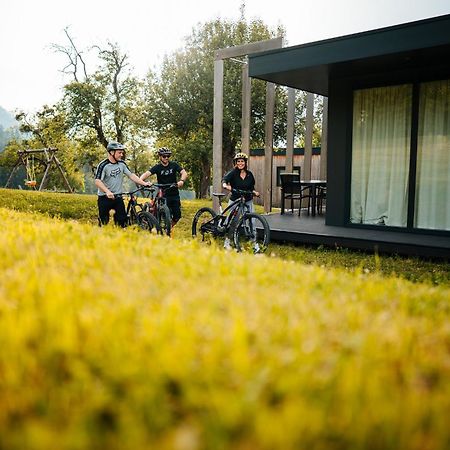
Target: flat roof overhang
x=309 y=67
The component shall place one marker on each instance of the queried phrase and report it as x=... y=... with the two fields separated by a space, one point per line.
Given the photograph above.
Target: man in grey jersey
x=109 y=182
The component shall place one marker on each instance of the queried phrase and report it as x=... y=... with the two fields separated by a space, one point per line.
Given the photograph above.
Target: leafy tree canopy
x=105 y=104
x=179 y=97
x=172 y=106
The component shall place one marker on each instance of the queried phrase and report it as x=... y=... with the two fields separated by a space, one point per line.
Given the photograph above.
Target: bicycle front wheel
x=165 y=219
x=252 y=234
x=203 y=223
x=148 y=222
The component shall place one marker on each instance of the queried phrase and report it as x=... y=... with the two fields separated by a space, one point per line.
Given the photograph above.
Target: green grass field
x=83 y=208
x=118 y=339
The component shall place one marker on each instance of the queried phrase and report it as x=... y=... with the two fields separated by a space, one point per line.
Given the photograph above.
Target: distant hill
x=6 y=119
x=9 y=128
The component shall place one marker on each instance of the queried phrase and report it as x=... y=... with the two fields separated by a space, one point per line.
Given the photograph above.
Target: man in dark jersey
x=109 y=182
x=167 y=173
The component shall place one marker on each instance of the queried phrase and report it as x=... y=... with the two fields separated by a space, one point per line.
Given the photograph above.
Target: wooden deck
x=313 y=231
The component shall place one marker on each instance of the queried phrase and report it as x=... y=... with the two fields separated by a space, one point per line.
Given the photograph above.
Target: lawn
x=83 y=208
x=117 y=339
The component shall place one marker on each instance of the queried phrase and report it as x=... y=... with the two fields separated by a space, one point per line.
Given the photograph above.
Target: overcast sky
x=147 y=29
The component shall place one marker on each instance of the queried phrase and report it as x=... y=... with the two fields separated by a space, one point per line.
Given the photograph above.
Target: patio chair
x=292 y=190
x=321 y=198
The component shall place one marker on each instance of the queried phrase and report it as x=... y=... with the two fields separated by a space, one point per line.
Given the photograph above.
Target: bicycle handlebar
x=165 y=186
x=142 y=188
x=242 y=192
x=146 y=188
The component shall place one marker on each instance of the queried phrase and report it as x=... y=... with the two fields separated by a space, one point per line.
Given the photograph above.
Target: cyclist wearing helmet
x=166 y=172
x=109 y=181
x=240 y=178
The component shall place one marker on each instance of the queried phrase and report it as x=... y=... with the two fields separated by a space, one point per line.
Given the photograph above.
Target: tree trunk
x=228 y=152
x=205 y=179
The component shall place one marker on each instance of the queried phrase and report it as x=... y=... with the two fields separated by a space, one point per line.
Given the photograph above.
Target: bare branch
x=77 y=53
x=74 y=56
x=71 y=67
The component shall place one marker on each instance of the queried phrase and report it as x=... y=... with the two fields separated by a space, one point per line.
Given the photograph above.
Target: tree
x=179 y=98
x=300 y=120
x=106 y=104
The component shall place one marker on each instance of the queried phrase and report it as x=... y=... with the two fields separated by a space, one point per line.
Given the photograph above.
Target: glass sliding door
x=380 y=155
x=432 y=202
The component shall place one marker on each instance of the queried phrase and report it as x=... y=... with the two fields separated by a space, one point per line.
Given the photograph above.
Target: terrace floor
x=310 y=230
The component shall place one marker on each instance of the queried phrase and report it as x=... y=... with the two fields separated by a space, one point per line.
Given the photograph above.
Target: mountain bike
x=249 y=231
x=136 y=214
x=157 y=205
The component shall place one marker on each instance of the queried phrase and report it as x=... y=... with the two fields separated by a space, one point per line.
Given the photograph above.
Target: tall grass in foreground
x=116 y=339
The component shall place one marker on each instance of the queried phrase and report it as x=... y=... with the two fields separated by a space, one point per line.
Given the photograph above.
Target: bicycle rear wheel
x=202 y=223
x=148 y=222
x=165 y=219
x=252 y=234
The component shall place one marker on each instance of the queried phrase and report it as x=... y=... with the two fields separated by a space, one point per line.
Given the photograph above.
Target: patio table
x=314 y=185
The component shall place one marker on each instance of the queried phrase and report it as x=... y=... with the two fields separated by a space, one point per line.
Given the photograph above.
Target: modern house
x=388 y=162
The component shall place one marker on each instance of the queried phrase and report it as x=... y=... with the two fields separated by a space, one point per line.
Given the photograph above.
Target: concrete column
x=324 y=141
x=246 y=103
x=290 y=131
x=268 y=147
x=306 y=171
x=218 y=130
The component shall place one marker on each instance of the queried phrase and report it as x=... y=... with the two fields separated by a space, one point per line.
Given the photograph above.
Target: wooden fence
x=256 y=165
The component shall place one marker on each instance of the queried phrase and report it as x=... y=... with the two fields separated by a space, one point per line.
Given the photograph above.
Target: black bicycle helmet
x=164 y=151
x=113 y=146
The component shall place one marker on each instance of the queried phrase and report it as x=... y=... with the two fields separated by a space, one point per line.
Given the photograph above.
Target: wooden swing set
x=31 y=174
x=44 y=156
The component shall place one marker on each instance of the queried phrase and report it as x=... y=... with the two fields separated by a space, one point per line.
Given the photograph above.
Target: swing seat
x=31 y=183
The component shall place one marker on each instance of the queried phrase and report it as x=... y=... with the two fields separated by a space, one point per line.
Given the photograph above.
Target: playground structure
x=44 y=156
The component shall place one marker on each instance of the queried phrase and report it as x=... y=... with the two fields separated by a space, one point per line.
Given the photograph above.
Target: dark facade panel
x=309 y=67
x=411 y=53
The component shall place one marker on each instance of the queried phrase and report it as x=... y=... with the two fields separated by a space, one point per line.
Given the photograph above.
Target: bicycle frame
x=235 y=209
x=221 y=224
x=157 y=199
x=132 y=205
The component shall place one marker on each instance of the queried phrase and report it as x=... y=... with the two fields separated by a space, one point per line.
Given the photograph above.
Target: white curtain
x=380 y=155
x=432 y=208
